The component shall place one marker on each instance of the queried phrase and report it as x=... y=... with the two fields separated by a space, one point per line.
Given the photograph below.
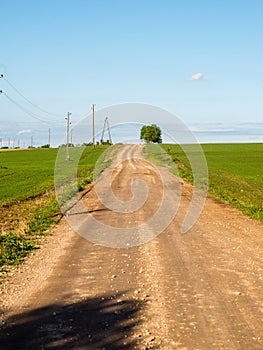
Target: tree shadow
x=88 y=212
x=105 y=322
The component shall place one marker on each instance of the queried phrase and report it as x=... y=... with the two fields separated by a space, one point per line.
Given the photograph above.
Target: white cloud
x=226 y=128
x=211 y=127
x=21 y=132
x=198 y=76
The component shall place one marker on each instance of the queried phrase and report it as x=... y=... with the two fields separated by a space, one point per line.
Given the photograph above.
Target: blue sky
x=201 y=60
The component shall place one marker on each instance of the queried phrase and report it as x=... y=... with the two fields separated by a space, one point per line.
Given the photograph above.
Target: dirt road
x=199 y=290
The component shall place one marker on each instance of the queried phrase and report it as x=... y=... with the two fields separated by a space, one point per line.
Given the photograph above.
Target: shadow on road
x=88 y=212
x=104 y=322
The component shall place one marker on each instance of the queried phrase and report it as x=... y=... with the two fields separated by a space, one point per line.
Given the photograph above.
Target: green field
x=235 y=173
x=30 y=173
x=25 y=174
x=27 y=197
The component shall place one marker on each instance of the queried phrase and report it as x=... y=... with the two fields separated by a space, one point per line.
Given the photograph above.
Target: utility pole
x=32 y=141
x=93 y=127
x=106 y=124
x=68 y=124
x=49 y=137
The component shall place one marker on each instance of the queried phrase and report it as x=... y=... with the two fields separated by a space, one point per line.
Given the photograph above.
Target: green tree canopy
x=151 y=133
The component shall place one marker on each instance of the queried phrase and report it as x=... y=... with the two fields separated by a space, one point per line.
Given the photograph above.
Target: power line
x=26 y=99
x=31 y=114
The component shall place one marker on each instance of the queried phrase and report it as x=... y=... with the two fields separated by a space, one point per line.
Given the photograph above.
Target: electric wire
x=29 y=112
x=26 y=99
x=33 y=115
x=40 y=118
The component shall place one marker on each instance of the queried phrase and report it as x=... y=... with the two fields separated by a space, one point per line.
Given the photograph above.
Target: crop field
x=30 y=173
x=25 y=174
x=27 y=197
x=235 y=174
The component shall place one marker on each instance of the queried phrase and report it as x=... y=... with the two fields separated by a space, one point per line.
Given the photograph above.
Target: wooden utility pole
x=67 y=147
x=49 y=137
x=93 y=127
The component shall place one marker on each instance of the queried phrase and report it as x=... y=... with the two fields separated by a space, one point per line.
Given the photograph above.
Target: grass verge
x=235 y=174
x=28 y=201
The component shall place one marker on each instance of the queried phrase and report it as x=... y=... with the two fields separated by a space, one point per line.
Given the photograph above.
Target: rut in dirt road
x=199 y=290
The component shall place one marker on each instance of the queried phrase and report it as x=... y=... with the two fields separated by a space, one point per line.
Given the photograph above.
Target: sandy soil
x=199 y=290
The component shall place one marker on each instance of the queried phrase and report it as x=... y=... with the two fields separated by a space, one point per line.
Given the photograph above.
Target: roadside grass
x=71 y=177
x=27 y=197
x=14 y=249
x=105 y=160
x=158 y=155
x=23 y=224
x=235 y=174
x=163 y=156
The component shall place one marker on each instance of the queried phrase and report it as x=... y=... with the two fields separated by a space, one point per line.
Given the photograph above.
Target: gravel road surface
x=198 y=290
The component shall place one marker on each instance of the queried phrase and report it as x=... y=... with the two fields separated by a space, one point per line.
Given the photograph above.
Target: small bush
x=13 y=249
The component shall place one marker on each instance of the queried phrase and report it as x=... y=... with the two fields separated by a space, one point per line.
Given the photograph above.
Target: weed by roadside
x=13 y=249
x=23 y=224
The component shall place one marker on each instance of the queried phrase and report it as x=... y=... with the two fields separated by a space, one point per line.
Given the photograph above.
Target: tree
x=151 y=134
